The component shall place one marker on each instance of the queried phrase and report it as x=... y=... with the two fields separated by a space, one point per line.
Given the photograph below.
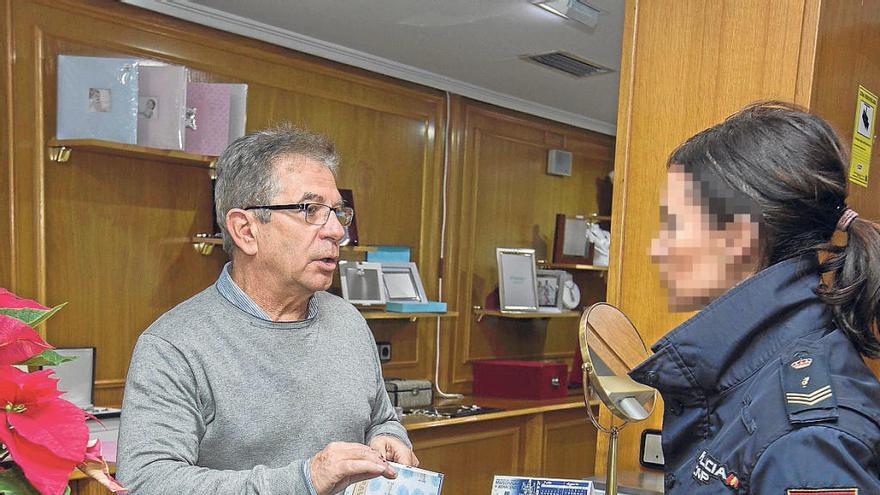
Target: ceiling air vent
x=569 y=64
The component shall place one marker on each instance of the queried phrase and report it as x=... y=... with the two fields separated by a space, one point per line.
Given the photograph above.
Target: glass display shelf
x=480 y=313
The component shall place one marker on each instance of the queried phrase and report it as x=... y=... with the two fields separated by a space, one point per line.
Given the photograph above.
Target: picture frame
x=517 y=286
x=351 y=232
x=570 y=245
x=549 y=285
x=570 y=292
x=402 y=283
x=361 y=282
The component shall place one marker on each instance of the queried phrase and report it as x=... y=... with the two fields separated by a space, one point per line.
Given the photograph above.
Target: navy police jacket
x=764 y=395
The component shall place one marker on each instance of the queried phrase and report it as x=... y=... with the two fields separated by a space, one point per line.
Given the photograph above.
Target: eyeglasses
x=316 y=213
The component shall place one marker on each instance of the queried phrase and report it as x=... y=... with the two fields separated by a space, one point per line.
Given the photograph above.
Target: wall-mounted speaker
x=559 y=163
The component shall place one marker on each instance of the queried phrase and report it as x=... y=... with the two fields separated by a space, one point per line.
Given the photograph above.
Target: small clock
x=571 y=294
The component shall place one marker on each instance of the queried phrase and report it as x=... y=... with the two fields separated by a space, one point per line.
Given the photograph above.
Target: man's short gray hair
x=245 y=170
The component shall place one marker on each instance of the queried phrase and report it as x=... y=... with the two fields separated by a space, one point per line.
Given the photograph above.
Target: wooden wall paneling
x=686 y=65
x=27 y=201
x=118 y=250
x=807 y=59
x=382 y=129
x=7 y=260
x=87 y=487
x=849 y=36
x=406 y=355
x=516 y=205
x=569 y=445
x=549 y=444
x=459 y=256
x=508 y=200
x=531 y=450
x=471 y=455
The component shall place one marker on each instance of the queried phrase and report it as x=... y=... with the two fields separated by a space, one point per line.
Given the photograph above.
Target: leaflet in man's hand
x=409 y=480
x=519 y=485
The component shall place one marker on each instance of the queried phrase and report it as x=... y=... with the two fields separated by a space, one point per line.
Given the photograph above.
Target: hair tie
x=845 y=219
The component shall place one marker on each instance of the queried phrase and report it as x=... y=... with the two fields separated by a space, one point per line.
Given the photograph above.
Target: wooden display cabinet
x=529 y=438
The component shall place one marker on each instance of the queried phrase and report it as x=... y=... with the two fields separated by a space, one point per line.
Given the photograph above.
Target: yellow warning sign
x=863 y=137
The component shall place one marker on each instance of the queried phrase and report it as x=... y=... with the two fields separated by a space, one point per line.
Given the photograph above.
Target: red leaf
x=47 y=436
x=10 y=300
x=47 y=473
x=57 y=425
x=95 y=466
x=46 y=420
x=32 y=387
x=18 y=342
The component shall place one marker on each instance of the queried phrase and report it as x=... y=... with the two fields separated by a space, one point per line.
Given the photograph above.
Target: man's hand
x=340 y=464
x=394 y=450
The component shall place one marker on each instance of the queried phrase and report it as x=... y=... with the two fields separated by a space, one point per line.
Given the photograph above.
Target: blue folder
x=389 y=254
x=97 y=98
x=416 y=307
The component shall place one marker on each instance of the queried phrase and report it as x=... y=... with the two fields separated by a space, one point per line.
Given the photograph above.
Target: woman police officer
x=765 y=389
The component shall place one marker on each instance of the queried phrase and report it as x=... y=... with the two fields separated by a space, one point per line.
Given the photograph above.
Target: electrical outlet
x=384 y=349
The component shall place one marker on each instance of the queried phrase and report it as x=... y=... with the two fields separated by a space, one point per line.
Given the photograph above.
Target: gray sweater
x=220 y=402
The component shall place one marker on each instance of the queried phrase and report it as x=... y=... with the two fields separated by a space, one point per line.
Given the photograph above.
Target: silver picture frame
x=402 y=283
x=549 y=285
x=517 y=285
x=362 y=282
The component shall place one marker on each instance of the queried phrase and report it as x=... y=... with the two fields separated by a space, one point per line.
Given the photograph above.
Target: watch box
x=514 y=379
x=409 y=394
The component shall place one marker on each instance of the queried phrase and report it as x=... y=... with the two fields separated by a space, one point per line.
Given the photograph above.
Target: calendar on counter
x=519 y=485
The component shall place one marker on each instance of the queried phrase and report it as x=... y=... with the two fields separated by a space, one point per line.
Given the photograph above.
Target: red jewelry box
x=515 y=379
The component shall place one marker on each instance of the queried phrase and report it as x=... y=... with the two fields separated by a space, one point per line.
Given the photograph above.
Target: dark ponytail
x=853 y=291
x=786 y=168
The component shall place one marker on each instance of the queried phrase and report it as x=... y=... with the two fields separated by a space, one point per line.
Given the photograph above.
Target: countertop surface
x=510 y=408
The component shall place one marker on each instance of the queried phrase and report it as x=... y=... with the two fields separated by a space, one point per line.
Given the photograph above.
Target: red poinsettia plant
x=44 y=437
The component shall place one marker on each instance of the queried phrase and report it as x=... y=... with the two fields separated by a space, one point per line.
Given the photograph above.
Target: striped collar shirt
x=233 y=293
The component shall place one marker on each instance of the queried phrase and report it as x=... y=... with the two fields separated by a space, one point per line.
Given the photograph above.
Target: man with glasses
x=263 y=383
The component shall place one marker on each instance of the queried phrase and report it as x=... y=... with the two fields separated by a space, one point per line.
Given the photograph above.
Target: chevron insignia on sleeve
x=807 y=387
x=810 y=399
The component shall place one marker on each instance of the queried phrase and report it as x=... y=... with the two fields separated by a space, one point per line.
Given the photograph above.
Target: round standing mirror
x=611 y=347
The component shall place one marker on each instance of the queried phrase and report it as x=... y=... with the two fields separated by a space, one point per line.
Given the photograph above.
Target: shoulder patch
x=825 y=491
x=806 y=383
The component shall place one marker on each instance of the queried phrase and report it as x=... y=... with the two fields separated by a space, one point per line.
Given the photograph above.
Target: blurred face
x=299 y=256
x=698 y=260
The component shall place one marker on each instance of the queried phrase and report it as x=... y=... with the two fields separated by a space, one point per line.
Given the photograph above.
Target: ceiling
x=474 y=48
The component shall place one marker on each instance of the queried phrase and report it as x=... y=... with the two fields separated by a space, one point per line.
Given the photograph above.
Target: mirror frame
x=589 y=369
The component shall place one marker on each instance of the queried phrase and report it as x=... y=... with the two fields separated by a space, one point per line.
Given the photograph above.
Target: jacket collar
x=739 y=332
